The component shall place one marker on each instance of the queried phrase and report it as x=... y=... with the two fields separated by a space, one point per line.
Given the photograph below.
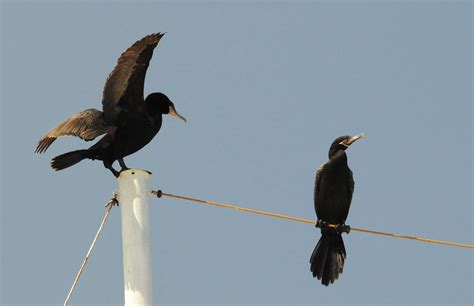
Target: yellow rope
x=159 y=193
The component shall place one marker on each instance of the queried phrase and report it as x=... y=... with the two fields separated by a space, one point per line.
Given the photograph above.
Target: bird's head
x=342 y=143
x=159 y=103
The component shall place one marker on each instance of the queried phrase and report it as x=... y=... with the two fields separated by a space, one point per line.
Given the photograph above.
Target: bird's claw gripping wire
x=342 y=228
x=322 y=225
x=339 y=228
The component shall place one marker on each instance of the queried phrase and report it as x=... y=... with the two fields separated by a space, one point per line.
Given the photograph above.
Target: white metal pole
x=133 y=195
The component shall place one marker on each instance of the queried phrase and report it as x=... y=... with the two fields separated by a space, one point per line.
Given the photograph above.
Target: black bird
x=128 y=121
x=332 y=199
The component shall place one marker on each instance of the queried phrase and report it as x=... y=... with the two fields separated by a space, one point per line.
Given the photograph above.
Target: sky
x=266 y=87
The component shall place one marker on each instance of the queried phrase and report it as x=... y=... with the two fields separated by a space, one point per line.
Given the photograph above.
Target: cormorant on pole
x=332 y=199
x=128 y=121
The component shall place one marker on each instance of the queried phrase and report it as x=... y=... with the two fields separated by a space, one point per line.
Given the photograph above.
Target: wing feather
x=86 y=125
x=318 y=196
x=350 y=190
x=123 y=90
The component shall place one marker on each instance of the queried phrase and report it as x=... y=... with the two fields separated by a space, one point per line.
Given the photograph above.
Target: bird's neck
x=153 y=112
x=339 y=157
x=154 y=109
x=157 y=118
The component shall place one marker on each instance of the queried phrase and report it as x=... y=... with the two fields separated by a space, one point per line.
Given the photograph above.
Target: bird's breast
x=134 y=135
x=334 y=200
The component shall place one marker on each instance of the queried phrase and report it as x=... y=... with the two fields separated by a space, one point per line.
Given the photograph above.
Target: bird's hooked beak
x=174 y=113
x=351 y=140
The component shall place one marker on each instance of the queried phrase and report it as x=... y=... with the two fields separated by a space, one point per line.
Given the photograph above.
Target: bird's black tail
x=69 y=159
x=327 y=260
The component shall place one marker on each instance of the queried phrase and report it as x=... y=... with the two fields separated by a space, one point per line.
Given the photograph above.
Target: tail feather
x=318 y=258
x=327 y=260
x=68 y=159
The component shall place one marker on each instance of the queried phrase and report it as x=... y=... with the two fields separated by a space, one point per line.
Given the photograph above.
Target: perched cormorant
x=332 y=199
x=128 y=121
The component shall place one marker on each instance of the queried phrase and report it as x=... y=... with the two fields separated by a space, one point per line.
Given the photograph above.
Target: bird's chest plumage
x=333 y=199
x=337 y=183
x=135 y=134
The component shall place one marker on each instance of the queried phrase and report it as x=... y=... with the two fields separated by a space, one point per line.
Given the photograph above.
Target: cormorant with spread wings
x=128 y=121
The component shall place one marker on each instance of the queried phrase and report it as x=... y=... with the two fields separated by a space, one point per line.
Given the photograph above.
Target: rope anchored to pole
x=160 y=194
x=113 y=202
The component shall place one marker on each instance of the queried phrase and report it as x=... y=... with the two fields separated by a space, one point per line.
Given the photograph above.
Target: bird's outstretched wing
x=123 y=91
x=87 y=125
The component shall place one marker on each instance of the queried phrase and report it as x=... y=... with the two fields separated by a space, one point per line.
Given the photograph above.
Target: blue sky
x=266 y=86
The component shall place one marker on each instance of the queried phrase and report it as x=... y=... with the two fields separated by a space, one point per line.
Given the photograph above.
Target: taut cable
x=159 y=194
x=113 y=202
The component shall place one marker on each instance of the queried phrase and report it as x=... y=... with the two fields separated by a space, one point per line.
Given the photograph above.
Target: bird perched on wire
x=332 y=199
x=128 y=121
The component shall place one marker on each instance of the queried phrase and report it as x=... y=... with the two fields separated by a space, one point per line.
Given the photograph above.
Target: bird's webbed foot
x=342 y=228
x=339 y=228
x=323 y=225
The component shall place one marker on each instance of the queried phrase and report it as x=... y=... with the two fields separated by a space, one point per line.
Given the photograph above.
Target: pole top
x=134 y=172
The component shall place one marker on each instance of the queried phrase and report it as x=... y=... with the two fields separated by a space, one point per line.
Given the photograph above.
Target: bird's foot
x=339 y=228
x=323 y=225
x=342 y=228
